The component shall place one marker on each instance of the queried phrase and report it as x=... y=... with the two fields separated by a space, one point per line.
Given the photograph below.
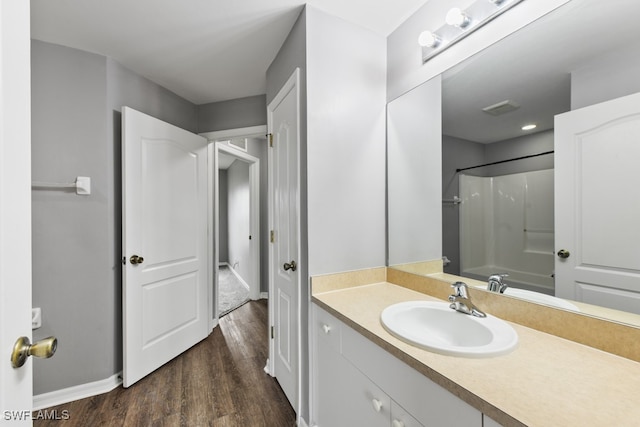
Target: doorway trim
x=214 y=149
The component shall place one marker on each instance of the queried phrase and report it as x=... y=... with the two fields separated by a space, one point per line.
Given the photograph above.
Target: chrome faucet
x=461 y=301
x=496 y=284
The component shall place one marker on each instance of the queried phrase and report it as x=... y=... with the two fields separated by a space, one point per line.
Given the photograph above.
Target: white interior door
x=165 y=226
x=597 y=204
x=284 y=252
x=15 y=209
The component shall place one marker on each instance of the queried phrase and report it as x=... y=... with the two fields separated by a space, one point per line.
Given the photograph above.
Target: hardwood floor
x=218 y=382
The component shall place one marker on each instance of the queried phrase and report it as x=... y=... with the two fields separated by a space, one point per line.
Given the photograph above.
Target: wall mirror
x=584 y=53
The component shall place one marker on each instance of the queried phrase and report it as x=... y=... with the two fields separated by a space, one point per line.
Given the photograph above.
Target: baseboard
x=66 y=395
x=235 y=273
x=264 y=295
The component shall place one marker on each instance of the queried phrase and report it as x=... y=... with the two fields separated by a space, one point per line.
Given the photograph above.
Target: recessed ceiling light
x=529 y=127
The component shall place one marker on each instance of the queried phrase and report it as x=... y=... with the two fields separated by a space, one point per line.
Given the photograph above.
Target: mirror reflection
x=501 y=213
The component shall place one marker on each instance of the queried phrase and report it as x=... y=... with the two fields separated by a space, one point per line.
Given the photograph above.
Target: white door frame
x=215 y=147
x=293 y=83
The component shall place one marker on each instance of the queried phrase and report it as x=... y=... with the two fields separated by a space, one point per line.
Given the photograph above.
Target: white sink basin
x=435 y=327
x=540 y=298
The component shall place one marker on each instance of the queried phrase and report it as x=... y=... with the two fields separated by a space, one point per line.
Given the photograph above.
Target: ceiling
x=202 y=50
x=532 y=68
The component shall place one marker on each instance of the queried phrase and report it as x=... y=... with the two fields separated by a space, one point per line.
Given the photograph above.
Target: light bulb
x=529 y=127
x=429 y=39
x=457 y=18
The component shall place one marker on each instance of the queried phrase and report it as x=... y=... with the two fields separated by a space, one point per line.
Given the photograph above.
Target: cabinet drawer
x=326 y=328
x=424 y=399
x=401 y=418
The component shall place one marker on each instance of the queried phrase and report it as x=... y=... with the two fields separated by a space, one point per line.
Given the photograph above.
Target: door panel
x=15 y=210
x=165 y=223
x=596 y=154
x=284 y=219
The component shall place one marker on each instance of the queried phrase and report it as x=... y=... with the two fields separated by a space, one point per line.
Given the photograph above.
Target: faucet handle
x=495 y=283
x=460 y=289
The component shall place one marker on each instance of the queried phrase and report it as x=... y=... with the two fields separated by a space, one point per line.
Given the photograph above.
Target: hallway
x=218 y=382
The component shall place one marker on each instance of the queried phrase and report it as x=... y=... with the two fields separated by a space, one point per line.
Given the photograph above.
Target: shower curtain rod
x=505 y=161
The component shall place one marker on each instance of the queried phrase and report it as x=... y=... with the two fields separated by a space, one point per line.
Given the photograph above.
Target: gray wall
x=257 y=147
x=239 y=218
x=233 y=114
x=76 y=101
x=223 y=214
x=606 y=78
x=74 y=275
x=456 y=153
x=76 y=131
x=459 y=153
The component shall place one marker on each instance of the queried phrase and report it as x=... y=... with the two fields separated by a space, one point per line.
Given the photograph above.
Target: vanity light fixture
x=460 y=23
x=457 y=18
x=429 y=39
x=529 y=126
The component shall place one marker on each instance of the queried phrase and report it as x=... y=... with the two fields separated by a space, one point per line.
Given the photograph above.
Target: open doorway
x=236 y=206
x=236 y=260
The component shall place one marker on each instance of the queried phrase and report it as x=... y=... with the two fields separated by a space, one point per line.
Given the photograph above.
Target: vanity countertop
x=545 y=381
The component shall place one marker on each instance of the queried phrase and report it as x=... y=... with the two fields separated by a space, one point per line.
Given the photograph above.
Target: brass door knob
x=290 y=266
x=563 y=253
x=135 y=259
x=23 y=349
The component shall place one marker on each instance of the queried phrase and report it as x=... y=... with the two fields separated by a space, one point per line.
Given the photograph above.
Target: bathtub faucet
x=461 y=301
x=496 y=284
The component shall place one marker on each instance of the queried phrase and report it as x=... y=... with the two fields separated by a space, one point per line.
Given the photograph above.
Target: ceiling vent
x=501 y=108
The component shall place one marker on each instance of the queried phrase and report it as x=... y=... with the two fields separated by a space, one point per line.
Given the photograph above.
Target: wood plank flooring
x=219 y=382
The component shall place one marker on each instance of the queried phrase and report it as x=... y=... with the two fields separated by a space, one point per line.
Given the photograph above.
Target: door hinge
x=272 y=236
x=273 y=333
x=270 y=136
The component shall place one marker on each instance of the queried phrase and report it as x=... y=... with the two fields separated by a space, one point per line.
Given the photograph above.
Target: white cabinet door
x=428 y=402
x=597 y=204
x=357 y=383
x=343 y=396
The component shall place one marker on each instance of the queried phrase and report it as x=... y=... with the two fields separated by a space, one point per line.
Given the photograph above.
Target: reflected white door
x=284 y=251
x=165 y=269
x=15 y=210
x=597 y=204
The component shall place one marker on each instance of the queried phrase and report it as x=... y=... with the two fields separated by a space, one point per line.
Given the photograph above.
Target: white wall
x=405 y=68
x=238 y=219
x=414 y=144
x=346 y=75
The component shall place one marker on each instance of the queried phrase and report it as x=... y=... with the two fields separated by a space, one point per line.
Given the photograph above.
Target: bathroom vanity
x=362 y=375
